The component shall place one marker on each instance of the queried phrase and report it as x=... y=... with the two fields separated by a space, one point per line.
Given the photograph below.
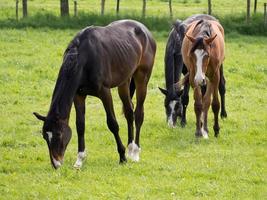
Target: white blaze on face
x=170 y=118
x=200 y=76
x=50 y=135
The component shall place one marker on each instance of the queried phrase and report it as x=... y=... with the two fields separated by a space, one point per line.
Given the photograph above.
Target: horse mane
x=203 y=28
x=66 y=78
x=198 y=43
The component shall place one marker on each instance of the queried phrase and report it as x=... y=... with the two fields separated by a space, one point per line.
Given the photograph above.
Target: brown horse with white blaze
x=203 y=54
x=120 y=55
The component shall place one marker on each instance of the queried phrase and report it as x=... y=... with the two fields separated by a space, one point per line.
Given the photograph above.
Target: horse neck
x=172 y=70
x=64 y=92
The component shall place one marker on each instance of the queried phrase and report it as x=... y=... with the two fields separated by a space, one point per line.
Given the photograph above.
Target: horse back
x=114 y=52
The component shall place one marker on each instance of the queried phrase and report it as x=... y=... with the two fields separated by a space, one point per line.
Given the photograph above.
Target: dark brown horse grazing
x=96 y=60
x=203 y=54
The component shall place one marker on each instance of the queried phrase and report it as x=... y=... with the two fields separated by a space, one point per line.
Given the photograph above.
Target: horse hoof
x=123 y=161
x=202 y=134
x=80 y=158
x=133 y=152
x=223 y=115
x=205 y=133
x=183 y=123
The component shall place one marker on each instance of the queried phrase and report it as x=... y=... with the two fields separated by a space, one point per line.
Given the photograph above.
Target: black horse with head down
x=96 y=60
x=177 y=99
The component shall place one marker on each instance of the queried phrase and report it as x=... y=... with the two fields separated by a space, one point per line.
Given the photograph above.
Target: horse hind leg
x=79 y=103
x=141 y=78
x=128 y=112
x=222 y=90
x=106 y=98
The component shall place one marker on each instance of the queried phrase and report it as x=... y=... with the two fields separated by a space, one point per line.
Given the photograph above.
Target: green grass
x=174 y=165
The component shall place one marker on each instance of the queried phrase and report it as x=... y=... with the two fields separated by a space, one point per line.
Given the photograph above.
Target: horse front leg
x=106 y=98
x=185 y=101
x=198 y=110
x=206 y=106
x=79 y=103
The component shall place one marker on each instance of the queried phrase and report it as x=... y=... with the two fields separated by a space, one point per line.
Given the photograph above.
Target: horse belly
x=123 y=67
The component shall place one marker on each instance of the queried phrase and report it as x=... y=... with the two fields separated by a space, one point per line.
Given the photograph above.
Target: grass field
x=173 y=165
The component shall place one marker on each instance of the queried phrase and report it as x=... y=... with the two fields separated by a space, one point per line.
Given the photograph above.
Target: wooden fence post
x=144 y=9
x=170 y=7
x=118 y=7
x=17 y=10
x=248 y=11
x=75 y=8
x=265 y=14
x=209 y=7
x=102 y=7
x=24 y=8
x=255 y=6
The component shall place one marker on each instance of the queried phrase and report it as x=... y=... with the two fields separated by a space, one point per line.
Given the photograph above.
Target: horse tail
x=132 y=88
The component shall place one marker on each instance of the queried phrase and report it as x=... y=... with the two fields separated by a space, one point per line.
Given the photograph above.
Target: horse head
x=173 y=104
x=200 y=54
x=57 y=135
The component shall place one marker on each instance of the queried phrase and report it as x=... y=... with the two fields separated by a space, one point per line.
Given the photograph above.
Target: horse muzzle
x=200 y=80
x=56 y=162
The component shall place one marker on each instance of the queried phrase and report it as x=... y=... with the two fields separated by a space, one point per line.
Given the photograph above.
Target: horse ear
x=210 y=39
x=190 y=38
x=165 y=92
x=40 y=117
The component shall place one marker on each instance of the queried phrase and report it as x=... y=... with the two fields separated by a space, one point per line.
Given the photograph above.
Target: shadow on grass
x=231 y=23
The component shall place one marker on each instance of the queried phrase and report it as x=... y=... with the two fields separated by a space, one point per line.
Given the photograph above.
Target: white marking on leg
x=133 y=151
x=204 y=133
x=202 y=118
x=199 y=76
x=80 y=158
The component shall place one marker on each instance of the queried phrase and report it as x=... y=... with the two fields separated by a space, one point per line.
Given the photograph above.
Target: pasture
x=173 y=165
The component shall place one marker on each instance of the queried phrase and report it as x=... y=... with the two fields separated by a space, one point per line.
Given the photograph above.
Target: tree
x=170 y=7
x=144 y=9
x=118 y=7
x=102 y=7
x=24 y=8
x=64 y=7
x=209 y=7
